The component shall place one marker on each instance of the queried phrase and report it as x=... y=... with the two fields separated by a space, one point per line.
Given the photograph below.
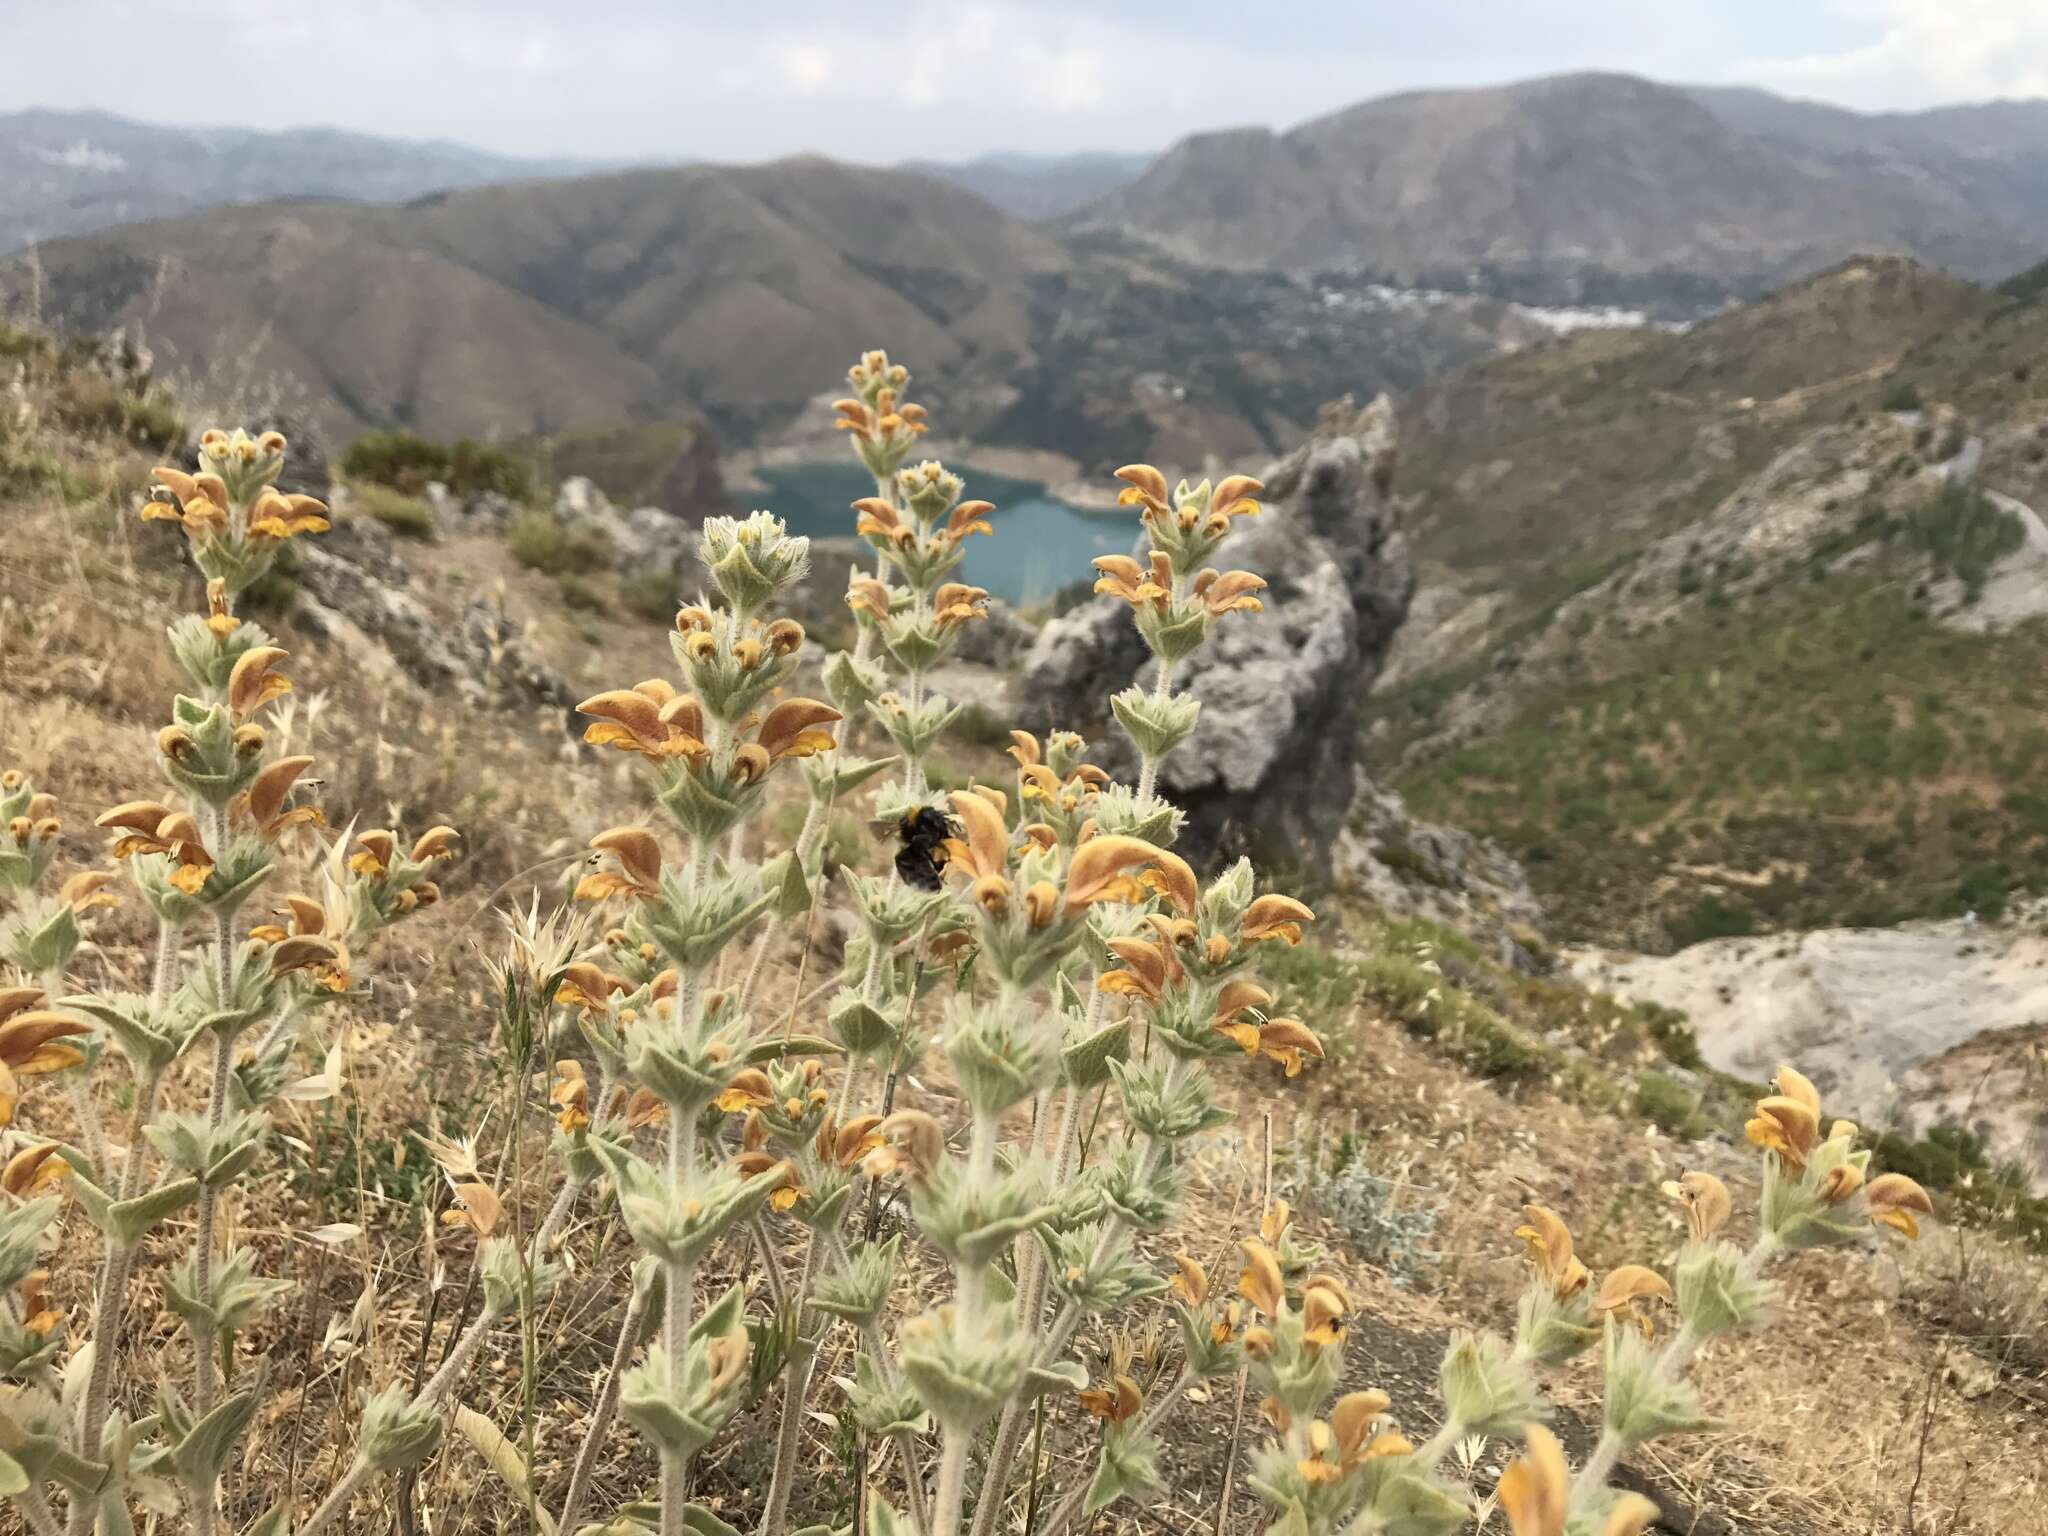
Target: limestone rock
x=356 y=584
x=1270 y=767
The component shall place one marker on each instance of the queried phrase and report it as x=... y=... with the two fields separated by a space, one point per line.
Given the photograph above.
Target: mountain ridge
x=1558 y=187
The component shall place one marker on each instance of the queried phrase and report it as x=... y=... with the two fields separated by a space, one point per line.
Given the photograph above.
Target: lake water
x=1039 y=544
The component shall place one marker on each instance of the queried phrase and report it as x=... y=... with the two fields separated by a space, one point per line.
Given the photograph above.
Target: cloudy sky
x=682 y=79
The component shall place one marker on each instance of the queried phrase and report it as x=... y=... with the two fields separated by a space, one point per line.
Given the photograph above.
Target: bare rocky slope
x=1581 y=184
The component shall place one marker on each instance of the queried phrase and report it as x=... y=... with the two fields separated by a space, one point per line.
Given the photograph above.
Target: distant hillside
x=1605 y=186
x=1742 y=628
x=1038 y=186
x=1993 y=155
x=743 y=292
x=68 y=173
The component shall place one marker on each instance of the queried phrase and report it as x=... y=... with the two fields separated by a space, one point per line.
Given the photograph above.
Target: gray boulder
x=643 y=539
x=1271 y=766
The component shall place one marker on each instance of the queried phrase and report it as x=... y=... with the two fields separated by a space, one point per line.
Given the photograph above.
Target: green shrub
x=406 y=462
x=1670 y=1106
x=580 y=594
x=407 y=516
x=87 y=403
x=542 y=541
x=1965 y=533
x=1710 y=918
x=650 y=595
x=1674 y=1036
x=1900 y=395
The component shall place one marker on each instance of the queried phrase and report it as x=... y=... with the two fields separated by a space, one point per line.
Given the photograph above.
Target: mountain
x=1994 y=154
x=67 y=173
x=743 y=292
x=1601 y=186
x=1038 y=186
x=1740 y=629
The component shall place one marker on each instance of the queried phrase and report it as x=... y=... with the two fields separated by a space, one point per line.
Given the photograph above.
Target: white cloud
x=1924 y=52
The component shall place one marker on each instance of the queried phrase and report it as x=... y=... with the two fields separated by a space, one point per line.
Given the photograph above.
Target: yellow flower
x=846 y=1145
x=278 y=516
x=1624 y=1287
x=1259 y=1283
x=571 y=1096
x=1788 y=1122
x=1123 y=577
x=912 y=1143
x=650 y=718
x=748 y=1090
x=32 y=1170
x=310 y=919
x=584 y=986
x=252 y=684
x=879 y=519
x=37 y=1315
x=1274 y=917
x=1117 y=1404
x=198 y=503
x=1550 y=1251
x=1274 y=1221
x=479 y=1209
x=792 y=729
x=969 y=517
x=1149 y=967
x=1233 y=498
x=1144 y=487
x=148 y=827
x=86 y=890
x=639 y=857
x=866 y=595
x=1892 y=1198
x=1230 y=592
x=1706 y=1201
x=1190 y=1281
x=218 y=618
x=34 y=1041
x=1323 y=1305
x=955 y=604
x=1535 y=1494
x=1535 y=1491
x=1103 y=868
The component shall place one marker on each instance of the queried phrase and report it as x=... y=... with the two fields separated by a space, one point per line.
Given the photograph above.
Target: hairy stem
x=601 y=1413
x=681 y=1281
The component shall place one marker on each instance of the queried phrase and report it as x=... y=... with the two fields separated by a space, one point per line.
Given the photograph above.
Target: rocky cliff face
x=1270 y=764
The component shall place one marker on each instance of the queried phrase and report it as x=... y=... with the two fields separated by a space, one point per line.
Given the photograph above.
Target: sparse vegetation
x=408 y=463
x=1900 y=394
x=407 y=516
x=543 y=542
x=1908 y=781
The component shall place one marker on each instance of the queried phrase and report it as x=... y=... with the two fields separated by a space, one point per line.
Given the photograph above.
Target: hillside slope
x=1593 y=184
x=1715 y=641
x=740 y=292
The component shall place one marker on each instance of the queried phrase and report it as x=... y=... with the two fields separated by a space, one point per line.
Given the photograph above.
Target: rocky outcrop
x=1443 y=873
x=1909 y=1027
x=1271 y=764
x=642 y=540
x=354 y=587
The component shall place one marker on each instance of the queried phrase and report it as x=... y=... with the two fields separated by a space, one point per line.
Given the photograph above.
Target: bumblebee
x=923 y=833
